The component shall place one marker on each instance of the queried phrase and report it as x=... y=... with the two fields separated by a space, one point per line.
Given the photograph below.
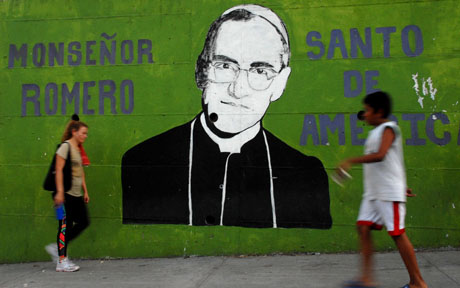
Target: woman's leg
x=77 y=217
x=61 y=237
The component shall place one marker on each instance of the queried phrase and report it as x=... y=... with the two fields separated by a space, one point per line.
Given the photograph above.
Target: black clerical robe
x=155 y=181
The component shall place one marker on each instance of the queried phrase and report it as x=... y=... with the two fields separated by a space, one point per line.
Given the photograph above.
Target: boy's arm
x=409 y=193
x=387 y=139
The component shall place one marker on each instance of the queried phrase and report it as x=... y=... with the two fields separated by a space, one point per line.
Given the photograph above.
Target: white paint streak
x=427 y=88
x=414 y=77
x=420 y=101
x=433 y=90
x=453 y=205
x=424 y=89
x=416 y=88
x=434 y=117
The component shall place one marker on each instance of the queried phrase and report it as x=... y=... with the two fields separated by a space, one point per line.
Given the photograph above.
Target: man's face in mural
x=245 y=74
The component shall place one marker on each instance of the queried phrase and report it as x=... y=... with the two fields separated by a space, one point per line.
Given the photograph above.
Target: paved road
x=439 y=268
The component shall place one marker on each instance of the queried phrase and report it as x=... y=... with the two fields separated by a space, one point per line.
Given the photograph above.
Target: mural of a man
x=223 y=167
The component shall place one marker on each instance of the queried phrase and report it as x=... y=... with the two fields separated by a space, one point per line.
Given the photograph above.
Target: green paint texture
x=165 y=95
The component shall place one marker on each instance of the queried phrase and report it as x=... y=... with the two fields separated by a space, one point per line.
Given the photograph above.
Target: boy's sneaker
x=65 y=265
x=53 y=251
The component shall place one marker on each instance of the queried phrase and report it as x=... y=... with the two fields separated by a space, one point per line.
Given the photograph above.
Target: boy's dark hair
x=379 y=101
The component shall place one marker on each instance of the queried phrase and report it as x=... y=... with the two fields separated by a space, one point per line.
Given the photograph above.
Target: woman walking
x=72 y=202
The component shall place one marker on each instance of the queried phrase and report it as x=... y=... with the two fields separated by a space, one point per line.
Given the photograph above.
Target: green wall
x=165 y=95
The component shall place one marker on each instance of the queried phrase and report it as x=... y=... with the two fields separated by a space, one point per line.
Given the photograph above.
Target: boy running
x=385 y=191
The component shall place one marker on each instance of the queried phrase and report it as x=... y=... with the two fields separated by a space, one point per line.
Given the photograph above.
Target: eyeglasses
x=259 y=78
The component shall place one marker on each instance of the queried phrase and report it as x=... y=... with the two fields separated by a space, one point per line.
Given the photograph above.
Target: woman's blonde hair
x=74 y=124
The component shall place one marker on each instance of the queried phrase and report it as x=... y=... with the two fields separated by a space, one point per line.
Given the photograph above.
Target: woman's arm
x=59 y=197
x=83 y=184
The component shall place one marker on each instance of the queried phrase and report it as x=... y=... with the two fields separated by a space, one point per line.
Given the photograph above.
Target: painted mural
x=223 y=167
x=214 y=122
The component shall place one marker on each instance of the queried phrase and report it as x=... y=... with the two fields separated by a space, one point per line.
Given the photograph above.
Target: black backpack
x=50 y=180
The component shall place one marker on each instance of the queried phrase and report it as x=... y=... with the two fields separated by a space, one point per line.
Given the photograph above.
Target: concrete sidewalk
x=439 y=268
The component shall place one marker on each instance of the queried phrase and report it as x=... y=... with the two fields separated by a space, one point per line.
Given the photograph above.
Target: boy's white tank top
x=385 y=180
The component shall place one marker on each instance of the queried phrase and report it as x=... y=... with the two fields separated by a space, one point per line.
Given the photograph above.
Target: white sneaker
x=65 y=265
x=53 y=251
